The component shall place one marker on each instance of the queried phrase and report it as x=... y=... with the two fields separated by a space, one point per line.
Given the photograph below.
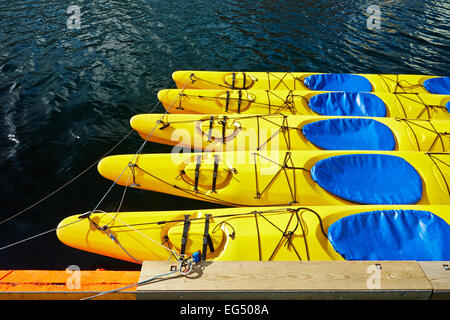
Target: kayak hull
x=285 y=177
x=391 y=83
x=217 y=132
x=240 y=234
x=377 y=104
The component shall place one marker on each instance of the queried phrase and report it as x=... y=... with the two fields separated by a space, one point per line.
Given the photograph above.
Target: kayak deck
x=284 y=178
x=307 y=233
x=392 y=83
x=211 y=132
x=364 y=104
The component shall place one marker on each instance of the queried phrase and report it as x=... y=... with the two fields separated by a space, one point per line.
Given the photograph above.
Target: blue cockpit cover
x=391 y=235
x=349 y=134
x=358 y=104
x=369 y=178
x=337 y=82
x=447 y=105
x=440 y=85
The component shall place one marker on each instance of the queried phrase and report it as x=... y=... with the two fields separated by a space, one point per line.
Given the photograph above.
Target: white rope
x=131 y=285
x=185 y=272
x=79 y=175
x=184 y=268
x=123 y=171
x=139 y=150
x=144 y=235
x=76 y=177
x=67 y=183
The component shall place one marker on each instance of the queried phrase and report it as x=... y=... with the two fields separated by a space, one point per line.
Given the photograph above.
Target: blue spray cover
x=391 y=235
x=349 y=134
x=358 y=104
x=440 y=85
x=369 y=178
x=337 y=82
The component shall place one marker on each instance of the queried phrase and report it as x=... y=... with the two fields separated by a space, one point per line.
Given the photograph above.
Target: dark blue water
x=66 y=95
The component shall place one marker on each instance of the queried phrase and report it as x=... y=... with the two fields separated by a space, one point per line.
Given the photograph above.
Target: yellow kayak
x=316 y=233
x=391 y=83
x=361 y=104
x=292 y=132
x=288 y=178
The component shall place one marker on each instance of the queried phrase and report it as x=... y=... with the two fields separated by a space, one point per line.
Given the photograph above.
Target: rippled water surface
x=67 y=95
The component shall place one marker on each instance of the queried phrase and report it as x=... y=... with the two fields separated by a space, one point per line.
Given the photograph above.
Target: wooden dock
x=337 y=280
x=300 y=280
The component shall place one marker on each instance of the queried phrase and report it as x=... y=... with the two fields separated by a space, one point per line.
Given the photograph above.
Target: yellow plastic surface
x=273 y=132
x=239 y=234
x=261 y=178
x=393 y=83
x=411 y=106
